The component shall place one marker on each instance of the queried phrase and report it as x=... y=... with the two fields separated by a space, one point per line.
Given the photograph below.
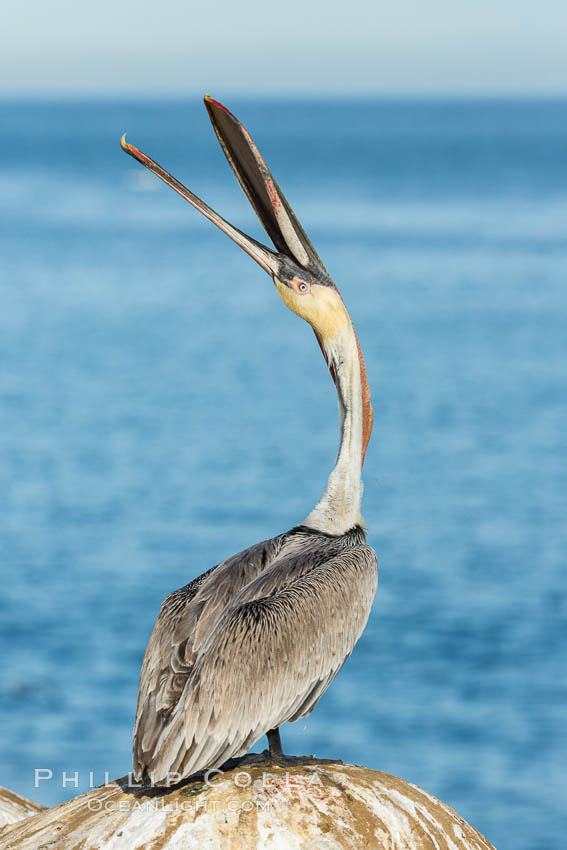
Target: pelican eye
x=303 y=287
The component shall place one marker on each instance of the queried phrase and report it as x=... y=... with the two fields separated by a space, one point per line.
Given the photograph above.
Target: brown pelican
x=255 y=641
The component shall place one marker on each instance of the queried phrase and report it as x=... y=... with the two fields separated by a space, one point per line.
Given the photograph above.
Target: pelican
x=256 y=640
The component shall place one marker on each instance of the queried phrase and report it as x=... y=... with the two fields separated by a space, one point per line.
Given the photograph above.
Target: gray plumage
x=247 y=646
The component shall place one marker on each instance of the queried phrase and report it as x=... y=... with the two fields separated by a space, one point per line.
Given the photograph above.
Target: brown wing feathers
x=265 y=661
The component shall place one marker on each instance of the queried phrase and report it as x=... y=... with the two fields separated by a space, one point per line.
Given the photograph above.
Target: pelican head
x=316 y=300
x=301 y=279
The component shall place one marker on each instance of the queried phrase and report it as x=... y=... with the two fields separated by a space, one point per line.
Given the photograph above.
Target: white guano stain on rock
x=14 y=807
x=306 y=806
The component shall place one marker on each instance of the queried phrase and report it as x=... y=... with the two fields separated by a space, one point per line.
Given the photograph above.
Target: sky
x=296 y=47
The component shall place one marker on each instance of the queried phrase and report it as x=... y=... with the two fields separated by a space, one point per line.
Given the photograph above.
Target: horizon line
x=344 y=95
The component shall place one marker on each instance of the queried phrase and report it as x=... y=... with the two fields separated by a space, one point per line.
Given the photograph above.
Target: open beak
x=264 y=194
x=263 y=256
x=266 y=197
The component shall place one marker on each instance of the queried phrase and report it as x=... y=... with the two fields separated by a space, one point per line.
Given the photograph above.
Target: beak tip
x=212 y=104
x=131 y=150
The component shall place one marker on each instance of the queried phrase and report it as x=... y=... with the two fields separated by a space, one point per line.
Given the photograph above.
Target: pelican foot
x=281 y=760
x=276 y=756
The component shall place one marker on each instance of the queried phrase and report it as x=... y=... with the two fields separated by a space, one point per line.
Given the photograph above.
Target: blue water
x=160 y=409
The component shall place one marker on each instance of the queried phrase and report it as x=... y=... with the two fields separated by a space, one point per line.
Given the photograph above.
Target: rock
x=312 y=805
x=13 y=807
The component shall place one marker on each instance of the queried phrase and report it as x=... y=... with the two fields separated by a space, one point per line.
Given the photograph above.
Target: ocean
x=160 y=409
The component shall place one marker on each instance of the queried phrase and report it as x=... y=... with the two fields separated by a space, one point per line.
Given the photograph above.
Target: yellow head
x=318 y=302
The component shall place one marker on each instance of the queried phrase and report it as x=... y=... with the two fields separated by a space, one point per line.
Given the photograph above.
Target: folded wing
x=185 y=618
x=267 y=660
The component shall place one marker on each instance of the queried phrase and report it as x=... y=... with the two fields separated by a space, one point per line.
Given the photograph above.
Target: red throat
x=367 y=410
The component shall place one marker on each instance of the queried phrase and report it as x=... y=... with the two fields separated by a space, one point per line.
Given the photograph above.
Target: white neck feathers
x=338 y=509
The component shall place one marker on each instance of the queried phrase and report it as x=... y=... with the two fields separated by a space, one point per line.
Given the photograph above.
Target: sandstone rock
x=13 y=807
x=311 y=806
